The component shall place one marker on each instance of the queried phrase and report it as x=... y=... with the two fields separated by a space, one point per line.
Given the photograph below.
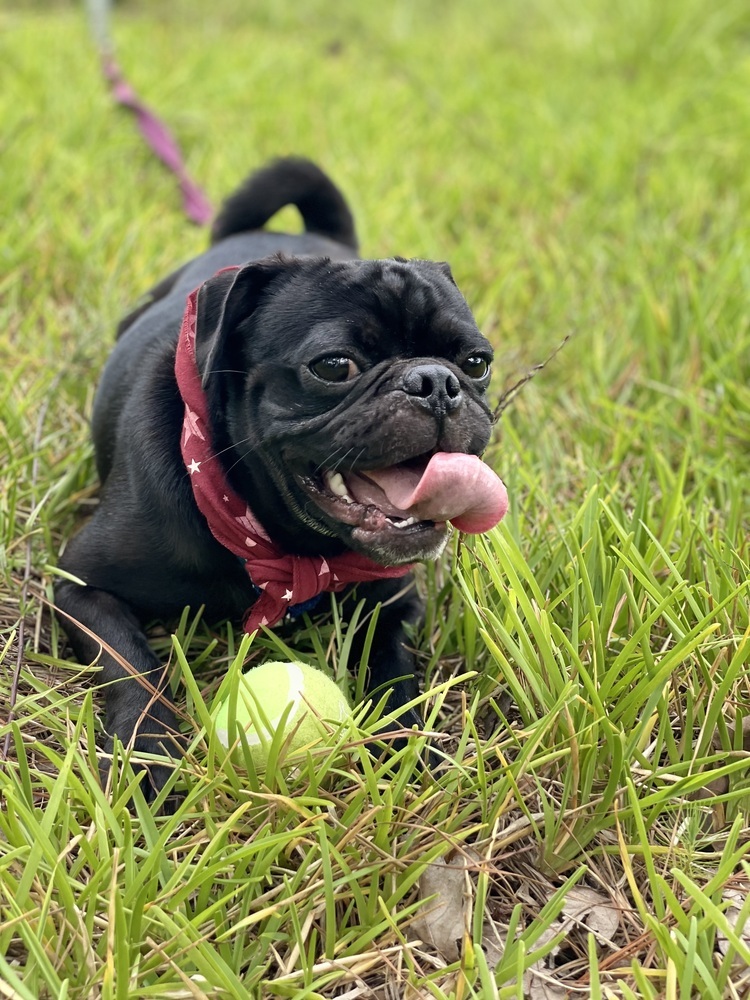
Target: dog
x=279 y=419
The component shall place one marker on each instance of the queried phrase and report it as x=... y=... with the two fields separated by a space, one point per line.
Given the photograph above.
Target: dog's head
x=343 y=397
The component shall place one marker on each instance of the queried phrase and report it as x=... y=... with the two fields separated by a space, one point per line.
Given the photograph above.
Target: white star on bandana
x=190 y=426
x=194 y=467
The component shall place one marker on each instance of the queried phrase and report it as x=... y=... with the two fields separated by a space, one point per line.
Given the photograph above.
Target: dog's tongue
x=453 y=487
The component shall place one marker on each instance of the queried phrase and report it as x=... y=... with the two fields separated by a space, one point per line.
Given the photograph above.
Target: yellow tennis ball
x=294 y=695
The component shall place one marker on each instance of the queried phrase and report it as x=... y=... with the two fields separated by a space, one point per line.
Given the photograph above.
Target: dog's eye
x=476 y=366
x=333 y=368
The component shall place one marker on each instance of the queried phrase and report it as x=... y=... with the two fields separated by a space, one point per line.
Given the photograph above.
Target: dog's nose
x=433 y=386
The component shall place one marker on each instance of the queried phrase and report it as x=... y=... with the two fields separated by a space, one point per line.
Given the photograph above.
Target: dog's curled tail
x=287 y=181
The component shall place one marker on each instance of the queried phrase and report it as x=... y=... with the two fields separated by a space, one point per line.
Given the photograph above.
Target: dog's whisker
x=241 y=458
x=328 y=461
x=360 y=453
x=328 y=465
x=229 y=447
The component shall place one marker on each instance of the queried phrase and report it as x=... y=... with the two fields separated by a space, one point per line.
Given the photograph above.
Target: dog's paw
x=155 y=774
x=160 y=739
x=393 y=736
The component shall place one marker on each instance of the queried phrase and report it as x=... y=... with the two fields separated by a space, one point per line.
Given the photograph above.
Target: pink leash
x=158 y=137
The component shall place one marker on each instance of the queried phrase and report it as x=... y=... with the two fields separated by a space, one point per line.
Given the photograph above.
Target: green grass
x=583 y=166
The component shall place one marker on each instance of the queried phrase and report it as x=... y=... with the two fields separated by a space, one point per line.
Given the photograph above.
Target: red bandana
x=283 y=580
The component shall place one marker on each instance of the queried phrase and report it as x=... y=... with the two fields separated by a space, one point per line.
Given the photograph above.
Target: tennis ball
x=276 y=693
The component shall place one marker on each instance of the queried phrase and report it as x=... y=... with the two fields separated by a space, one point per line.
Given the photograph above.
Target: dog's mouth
x=400 y=512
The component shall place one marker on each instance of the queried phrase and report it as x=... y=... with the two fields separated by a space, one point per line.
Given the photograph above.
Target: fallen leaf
x=493 y=941
x=583 y=907
x=445 y=919
x=538 y=987
x=736 y=899
x=593 y=911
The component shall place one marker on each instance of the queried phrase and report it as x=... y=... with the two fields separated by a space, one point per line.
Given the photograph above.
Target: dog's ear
x=446 y=269
x=224 y=301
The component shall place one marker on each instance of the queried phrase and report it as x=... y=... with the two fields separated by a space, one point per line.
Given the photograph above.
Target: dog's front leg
x=104 y=630
x=391 y=663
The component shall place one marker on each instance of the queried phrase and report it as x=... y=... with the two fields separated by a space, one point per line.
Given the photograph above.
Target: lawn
x=583 y=165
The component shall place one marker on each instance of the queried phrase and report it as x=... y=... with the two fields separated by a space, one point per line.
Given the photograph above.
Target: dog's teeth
x=405 y=523
x=335 y=483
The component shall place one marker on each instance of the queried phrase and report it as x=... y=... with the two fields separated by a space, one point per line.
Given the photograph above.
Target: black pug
x=278 y=420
